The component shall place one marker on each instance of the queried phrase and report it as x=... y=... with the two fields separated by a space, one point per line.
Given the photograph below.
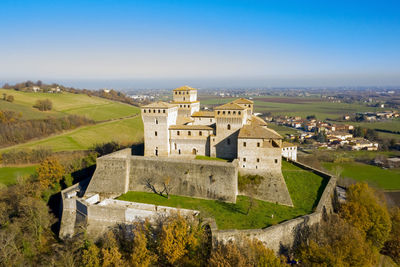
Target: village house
x=362 y=144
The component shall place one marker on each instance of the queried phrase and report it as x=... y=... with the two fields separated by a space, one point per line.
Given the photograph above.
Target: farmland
x=296 y=106
x=388 y=179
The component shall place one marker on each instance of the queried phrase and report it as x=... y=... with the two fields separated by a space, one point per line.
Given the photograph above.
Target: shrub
x=10 y=98
x=246 y=181
x=43 y=105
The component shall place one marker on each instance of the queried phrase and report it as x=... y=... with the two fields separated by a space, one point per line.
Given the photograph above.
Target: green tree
x=49 y=172
x=335 y=243
x=392 y=245
x=91 y=256
x=367 y=212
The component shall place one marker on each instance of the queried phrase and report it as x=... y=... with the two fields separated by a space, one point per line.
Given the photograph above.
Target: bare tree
x=149 y=183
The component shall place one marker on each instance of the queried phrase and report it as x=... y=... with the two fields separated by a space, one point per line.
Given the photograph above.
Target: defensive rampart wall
x=282 y=236
x=120 y=172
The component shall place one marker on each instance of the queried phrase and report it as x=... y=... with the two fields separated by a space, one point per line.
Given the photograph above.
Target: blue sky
x=203 y=43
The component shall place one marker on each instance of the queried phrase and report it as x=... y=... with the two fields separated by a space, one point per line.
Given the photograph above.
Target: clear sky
x=202 y=43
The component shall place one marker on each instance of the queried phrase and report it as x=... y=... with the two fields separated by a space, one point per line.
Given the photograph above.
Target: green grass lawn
x=305 y=189
x=95 y=108
x=126 y=130
x=9 y=175
x=210 y=158
x=383 y=178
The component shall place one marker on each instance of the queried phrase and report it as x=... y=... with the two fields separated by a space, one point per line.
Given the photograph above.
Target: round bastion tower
x=157 y=118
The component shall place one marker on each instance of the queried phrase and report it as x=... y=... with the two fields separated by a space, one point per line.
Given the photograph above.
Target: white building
x=289 y=151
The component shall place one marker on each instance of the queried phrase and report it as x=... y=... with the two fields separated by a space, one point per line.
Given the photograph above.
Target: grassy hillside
x=305 y=189
x=95 y=108
x=125 y=130
x=9 y=175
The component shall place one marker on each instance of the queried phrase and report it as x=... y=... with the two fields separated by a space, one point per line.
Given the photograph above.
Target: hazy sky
x=203 y=43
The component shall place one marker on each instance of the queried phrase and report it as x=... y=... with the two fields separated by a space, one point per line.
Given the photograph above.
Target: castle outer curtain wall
x=117 y=174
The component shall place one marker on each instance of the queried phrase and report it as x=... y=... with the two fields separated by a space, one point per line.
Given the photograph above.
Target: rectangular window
x=258 y=160
x=178 y=133
x=244 y=143
x=258 y=144
x=155 y=133
x=244 y=159
x=200 y=133
x=189 y=133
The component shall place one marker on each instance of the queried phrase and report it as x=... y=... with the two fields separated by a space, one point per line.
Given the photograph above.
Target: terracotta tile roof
x=287 y=144
x=190 y=127
x=184 y=102
x=254 y=120
x=159 y=104
x=231 y=106
x=208 y=114
x=184 y=88
x=183 y=120
x=242 y=101
x=256 y=131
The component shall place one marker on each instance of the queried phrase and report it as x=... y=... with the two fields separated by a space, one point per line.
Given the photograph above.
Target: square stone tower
x=186 y=99
x=157 y=118
x=229 y=119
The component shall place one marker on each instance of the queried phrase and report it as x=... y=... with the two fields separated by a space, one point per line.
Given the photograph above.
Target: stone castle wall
x=120 y=172
x=283 y=236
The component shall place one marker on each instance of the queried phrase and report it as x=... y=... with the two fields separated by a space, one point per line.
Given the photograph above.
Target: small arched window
x=229 y=126
x=144 y=111
x=239 y=112
x=189 y=133
x=200 y=133
x=155 y=133
x=156 y=121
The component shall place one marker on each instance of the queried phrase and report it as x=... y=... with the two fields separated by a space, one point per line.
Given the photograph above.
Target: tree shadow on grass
x=230 y=207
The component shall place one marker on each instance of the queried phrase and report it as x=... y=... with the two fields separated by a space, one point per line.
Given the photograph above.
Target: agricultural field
x=388 y=125
x=95 y=108
x=123 y=131
x=304 y=187
x=9 y=175
x=387 y=179
x=296 y=106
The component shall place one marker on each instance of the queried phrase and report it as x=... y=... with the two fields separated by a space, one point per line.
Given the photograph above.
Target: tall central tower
x=185 y=98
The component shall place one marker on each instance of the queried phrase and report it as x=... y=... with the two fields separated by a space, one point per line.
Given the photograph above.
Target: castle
x=231 y=131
